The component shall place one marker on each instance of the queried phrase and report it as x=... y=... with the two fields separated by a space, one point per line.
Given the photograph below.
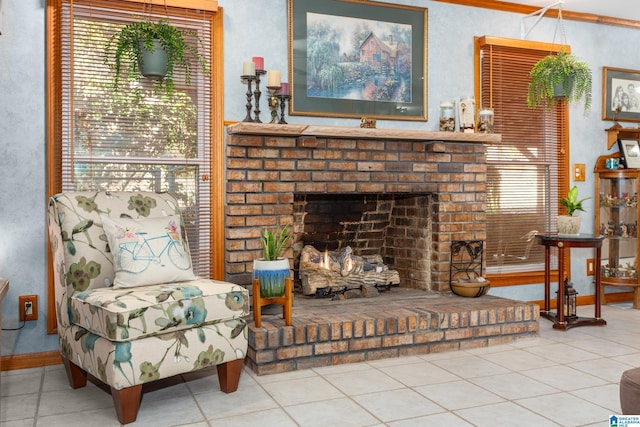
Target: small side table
x=285 y=300
x=562 y=242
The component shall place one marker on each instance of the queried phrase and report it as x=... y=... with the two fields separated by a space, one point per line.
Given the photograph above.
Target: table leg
x=597 y=272
x=560 y=302
x=547 y=278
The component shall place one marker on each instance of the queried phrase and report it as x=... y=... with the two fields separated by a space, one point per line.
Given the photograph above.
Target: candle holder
x=257 y=94
x=273 y=102
x=247 y=80
x=283 y=102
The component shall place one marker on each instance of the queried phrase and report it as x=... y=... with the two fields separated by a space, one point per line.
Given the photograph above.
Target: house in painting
x=379 y=54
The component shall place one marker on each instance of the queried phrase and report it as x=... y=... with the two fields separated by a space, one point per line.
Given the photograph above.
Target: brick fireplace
x=423 y=188
x=433 y=181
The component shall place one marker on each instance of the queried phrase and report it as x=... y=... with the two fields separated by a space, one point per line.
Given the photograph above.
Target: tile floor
x=557 y=379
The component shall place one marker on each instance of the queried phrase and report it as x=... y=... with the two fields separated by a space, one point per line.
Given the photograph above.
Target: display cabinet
x=616 y=218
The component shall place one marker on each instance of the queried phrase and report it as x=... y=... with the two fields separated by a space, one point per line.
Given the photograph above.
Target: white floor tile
x=417 y=374
x=342 y=412
x=504 y=414
x=566 y=409
x=513 y=386
x=458 y=394
x=564 y=378
x=359 y=382
x=302 y=390
x=397 y=404
x=272 y=417
x=445 y=419
x=470 y=367
x=247 y=399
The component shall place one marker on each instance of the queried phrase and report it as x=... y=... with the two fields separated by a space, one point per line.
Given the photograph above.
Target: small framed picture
x=630 y=151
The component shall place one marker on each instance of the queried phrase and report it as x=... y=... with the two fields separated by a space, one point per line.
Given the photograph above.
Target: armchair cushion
x=127 y=314
x=147 y=251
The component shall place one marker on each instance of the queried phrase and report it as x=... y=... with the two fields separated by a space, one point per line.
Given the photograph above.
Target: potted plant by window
x=271 y=269
x=559 y=76
x=153 y=49
x=570 y=224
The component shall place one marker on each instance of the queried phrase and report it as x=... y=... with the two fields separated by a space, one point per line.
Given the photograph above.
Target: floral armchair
x=129 y=310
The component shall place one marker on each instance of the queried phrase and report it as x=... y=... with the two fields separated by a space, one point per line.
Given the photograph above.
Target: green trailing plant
x=562 y=69
x=273 y=243
x=123 y=52
x=571 y=202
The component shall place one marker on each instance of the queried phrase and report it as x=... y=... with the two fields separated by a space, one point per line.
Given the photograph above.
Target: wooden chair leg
x=127 y=402
x=77 y=376
x=256 y=303
x=229 y=375
x=636 y=297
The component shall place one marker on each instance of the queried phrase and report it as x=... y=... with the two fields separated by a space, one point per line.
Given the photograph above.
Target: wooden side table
x=562 y=242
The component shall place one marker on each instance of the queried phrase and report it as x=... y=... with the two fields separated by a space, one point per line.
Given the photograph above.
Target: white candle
x=248 y=68
x=274 y=78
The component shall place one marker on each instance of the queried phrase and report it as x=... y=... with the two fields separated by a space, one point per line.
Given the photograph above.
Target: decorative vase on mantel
x=272 y=276
x=569 y=225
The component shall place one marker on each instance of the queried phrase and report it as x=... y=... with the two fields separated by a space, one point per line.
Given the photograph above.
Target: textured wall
x=256 y=28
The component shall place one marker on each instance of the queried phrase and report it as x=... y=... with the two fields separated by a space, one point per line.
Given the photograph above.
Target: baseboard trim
x=30 y=360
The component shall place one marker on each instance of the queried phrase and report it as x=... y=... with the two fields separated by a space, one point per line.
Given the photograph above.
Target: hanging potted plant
x=271 y=269
x=570 y=224
x=561 y=76
x=155 y=50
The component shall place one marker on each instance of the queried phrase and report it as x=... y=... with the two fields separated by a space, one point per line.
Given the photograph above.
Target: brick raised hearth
x=402 y=323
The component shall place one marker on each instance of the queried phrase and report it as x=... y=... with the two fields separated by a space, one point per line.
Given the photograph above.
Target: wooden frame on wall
x=356 y=58
x=620 y=89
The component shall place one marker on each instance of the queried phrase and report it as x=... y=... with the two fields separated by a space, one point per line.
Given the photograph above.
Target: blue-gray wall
x=258 y=28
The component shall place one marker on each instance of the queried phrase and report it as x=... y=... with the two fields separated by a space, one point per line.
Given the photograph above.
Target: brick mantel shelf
x=268 y=165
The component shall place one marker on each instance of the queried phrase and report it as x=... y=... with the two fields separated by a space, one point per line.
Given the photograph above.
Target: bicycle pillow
x=147 y=251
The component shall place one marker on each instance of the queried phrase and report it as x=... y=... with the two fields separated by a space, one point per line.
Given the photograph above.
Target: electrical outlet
x=28 y=307
x=591 y=267
x=579 y=173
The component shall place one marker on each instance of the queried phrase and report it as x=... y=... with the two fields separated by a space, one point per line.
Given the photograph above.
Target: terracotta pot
x=272 y=275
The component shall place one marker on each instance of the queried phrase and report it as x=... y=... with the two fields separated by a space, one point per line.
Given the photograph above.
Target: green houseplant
x=570 y=224
x=126 y=49
x=559 y=76
x=271 y=269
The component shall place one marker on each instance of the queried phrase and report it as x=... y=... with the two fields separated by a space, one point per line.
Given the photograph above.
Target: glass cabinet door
x=618 y=222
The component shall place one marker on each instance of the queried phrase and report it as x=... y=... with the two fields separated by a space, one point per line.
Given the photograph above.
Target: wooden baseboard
x=30 y=360
x=591 y=299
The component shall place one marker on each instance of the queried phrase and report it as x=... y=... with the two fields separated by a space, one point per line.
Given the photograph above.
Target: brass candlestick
x=257 y=94
x=273 y=102
x=247 y=80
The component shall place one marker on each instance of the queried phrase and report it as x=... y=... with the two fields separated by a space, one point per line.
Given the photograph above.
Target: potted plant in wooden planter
x=559 y=76
x=271 y=269
x=155 y=50
x=570 y=224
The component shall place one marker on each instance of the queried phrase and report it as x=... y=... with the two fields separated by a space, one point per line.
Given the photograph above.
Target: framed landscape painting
x=355 y=58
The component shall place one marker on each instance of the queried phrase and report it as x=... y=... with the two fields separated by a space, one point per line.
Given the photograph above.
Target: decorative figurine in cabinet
x=616 y=218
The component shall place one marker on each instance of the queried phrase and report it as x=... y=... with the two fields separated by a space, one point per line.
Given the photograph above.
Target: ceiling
x=622 y=9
